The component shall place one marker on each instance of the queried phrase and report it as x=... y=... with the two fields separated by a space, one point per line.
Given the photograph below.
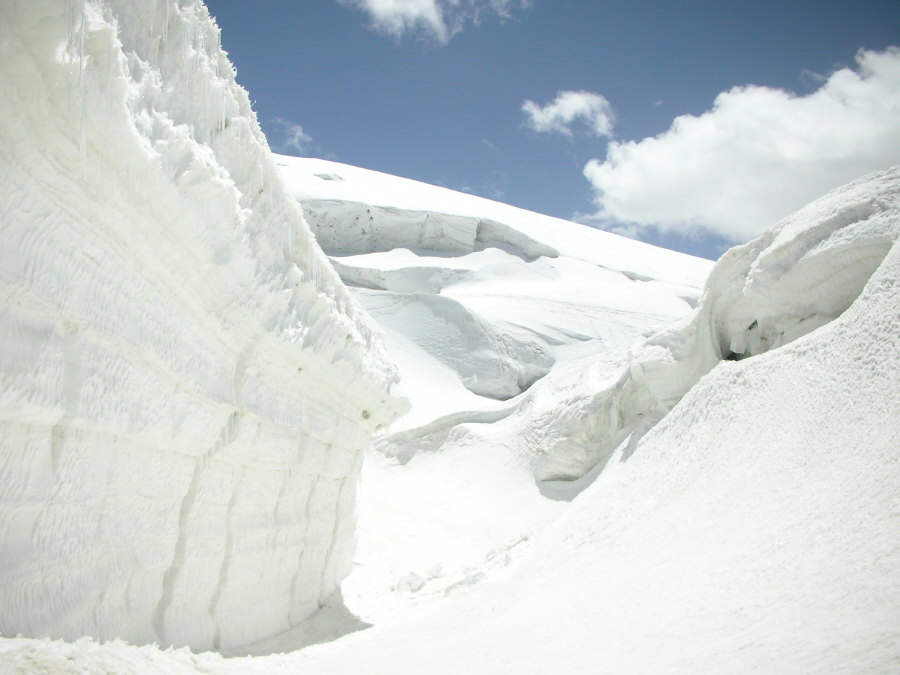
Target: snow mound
x=186 y=387
x=489 y=362
x=797 y=277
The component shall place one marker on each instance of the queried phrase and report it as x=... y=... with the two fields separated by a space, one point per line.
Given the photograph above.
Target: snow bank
x=795 y=278
x=186 y=387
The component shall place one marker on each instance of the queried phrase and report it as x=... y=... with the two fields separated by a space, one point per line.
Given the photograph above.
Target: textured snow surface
x=753 y=529
x=186 y=387
x=796 y=277
x=187 y=390
x=520 y=307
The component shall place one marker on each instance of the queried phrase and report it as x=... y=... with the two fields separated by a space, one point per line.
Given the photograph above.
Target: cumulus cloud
x=567 y=108
x=292 y=136
x=757 y=155
x=438 y=20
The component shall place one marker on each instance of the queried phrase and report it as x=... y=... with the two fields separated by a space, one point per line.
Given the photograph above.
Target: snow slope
x=494 y=315
x=520 y=307
x=186 y=387
x=753 y=529
x=730 y=451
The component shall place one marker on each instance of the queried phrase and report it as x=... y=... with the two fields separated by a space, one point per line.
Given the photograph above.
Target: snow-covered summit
x=386 y=212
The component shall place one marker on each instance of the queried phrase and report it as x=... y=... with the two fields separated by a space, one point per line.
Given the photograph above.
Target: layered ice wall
x=185 y=385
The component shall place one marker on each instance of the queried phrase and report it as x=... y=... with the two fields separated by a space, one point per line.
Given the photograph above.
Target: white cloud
x=439 y=20
x=567 y=108
x=292 y=136
x=757 y=155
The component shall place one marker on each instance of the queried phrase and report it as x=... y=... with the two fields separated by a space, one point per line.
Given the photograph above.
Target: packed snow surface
x=186 y=387
x=615 y=460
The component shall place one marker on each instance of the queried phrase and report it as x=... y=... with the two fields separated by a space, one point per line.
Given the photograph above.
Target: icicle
x=69 y=37
x=216 y=52
x=69 y=27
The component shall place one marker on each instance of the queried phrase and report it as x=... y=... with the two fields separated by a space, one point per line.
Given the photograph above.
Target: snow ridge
x=181 y=366
x=793 y=279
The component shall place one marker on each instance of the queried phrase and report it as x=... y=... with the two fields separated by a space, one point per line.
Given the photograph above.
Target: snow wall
x=795 y=278
x=186 y=387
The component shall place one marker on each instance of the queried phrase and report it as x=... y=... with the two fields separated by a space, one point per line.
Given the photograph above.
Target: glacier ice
x=186 y=387
x=753 y=529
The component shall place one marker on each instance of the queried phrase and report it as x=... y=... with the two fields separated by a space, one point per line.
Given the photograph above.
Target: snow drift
x=186 y=387
x=797 y=277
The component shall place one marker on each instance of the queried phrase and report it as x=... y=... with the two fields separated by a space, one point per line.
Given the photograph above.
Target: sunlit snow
x=233 y=383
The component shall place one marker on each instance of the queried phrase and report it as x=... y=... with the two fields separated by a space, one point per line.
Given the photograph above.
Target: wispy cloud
x=437 y=20
x=566 y=109
x=757 y=155
x=291 y=137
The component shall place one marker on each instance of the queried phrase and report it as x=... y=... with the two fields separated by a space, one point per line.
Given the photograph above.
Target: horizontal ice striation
x=489 y=361
x=797 y=277
x=186 y=387
x=352 y=228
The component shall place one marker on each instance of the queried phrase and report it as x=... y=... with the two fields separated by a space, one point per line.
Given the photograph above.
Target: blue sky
x=425 y=89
